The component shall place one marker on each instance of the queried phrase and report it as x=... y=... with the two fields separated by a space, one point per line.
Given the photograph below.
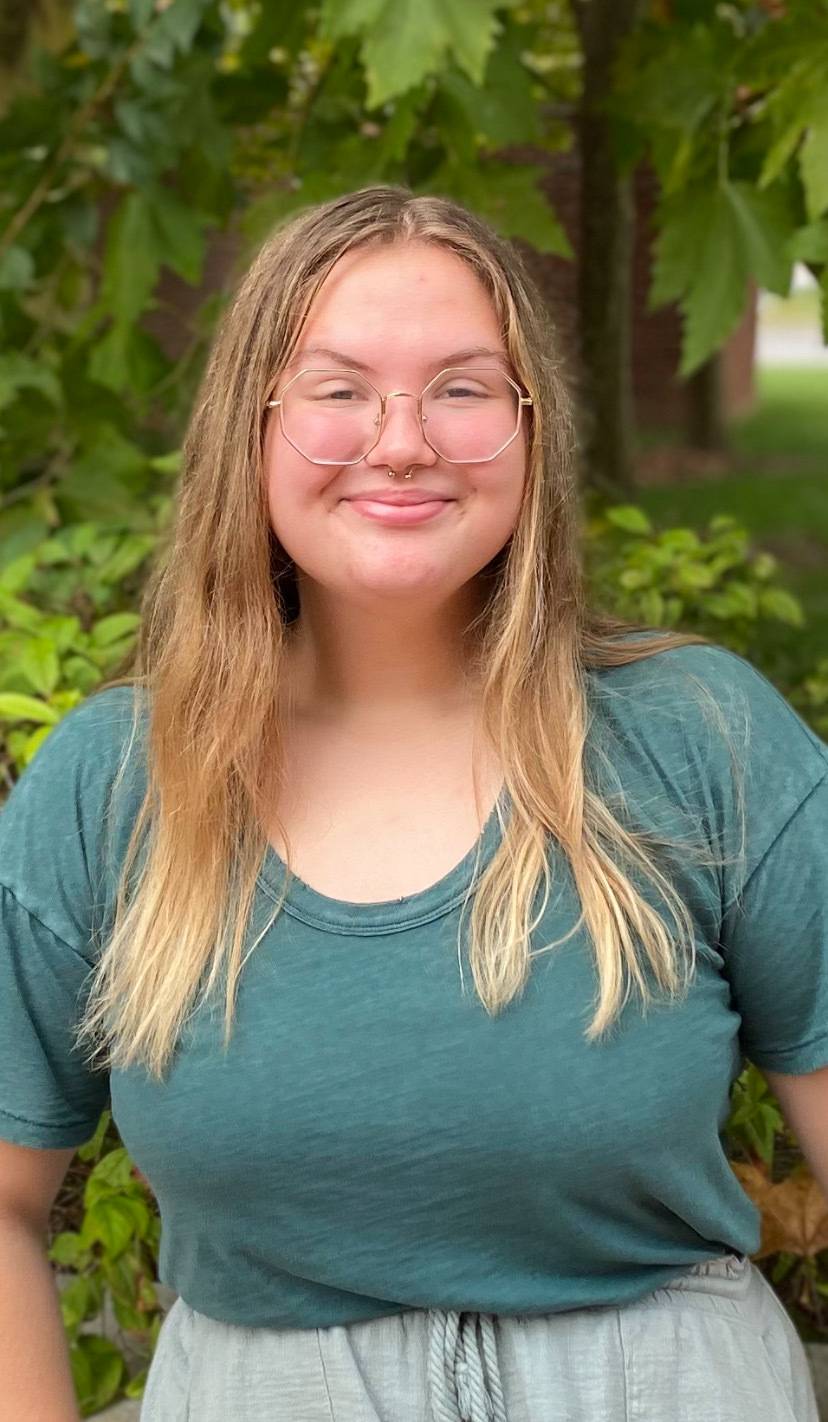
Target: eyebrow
x=454 y=358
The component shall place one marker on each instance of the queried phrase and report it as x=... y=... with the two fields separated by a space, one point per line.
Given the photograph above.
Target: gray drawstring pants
x=715 y=1345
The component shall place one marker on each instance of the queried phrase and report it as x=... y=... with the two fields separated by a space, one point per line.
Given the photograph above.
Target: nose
x=402 y=441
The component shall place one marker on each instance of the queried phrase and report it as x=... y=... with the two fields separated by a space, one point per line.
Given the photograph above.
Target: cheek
x=293 y=486
x=512 y=486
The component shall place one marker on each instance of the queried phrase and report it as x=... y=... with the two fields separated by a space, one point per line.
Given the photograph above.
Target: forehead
x=411 y=301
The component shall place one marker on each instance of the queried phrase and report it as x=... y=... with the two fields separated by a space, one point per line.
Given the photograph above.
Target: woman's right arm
x=35 y=1376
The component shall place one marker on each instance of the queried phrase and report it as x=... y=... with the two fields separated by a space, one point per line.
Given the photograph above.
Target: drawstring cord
x=460 y=1392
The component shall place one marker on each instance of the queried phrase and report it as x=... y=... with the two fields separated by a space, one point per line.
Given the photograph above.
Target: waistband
x=463 y=1370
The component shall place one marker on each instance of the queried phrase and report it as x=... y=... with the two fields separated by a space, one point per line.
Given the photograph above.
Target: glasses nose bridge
x=394 y=395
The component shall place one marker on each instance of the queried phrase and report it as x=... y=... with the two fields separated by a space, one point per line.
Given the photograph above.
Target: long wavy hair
x=208 y=663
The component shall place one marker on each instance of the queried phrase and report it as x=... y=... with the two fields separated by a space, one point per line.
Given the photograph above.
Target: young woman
x=375 y=744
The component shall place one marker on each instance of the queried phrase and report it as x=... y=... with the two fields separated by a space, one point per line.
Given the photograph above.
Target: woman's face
x=402 y=312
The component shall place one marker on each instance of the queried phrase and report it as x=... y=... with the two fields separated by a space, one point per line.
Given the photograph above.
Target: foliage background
x=136 y=135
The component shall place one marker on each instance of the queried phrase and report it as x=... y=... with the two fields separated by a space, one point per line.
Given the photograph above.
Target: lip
x=384 y=495
x=399 y=514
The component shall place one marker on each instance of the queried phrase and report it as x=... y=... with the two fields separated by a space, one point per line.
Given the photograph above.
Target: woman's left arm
x=804 y=1102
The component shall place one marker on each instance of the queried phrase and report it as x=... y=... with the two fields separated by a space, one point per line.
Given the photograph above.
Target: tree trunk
x=607 y=420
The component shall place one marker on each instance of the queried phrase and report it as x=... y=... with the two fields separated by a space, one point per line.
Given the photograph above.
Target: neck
x=368 y=666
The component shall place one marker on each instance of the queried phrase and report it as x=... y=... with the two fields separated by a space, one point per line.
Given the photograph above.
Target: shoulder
x=706 y=686
x=83 y=753
x=704 y=725
x=56 y=822
x=103 y=715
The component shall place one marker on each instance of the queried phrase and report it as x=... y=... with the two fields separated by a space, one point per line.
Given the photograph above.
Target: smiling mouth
x=399 y=497
x=388 y=512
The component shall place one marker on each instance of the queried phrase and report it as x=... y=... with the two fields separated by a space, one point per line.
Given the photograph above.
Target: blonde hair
x=211 y=647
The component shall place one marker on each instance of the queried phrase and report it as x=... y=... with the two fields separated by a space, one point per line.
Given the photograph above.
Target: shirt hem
x=17 y=1130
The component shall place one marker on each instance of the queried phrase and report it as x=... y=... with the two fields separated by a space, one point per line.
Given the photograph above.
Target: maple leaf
x=405 y=40
x=794 y=1211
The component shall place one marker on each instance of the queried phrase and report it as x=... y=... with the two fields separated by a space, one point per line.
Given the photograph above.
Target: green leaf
x=711 y=238
x=79 y=1300
x=103 y=480
x=813 y=162
x=180 y=234
x=20 y=614
x=508 y=196
x=21 y=372
x=693 y=576
x=764 y=566
x=112 y=1173
x=130 y=553
x=127 y=356
x=681 y=222
x=180 y=21
x=66 y=1249
x=780 y=152
x=401 y=126
x=104 y=1370
x=131 y=261
x=16 y=269
x=171 y=33
x=652 y=607
x=14 y=706
x=679 y=540
x=502 y=111
x=632 y=579
x=629 y=517
x=715 y=300
x=167 y=463
x=38 y=664
x=110 y=629
x=16 y=573
x=109 y=361
x=782 y=606
x=765 y=220
x=111 y=1222
x=810 y=243
x=264 y=214
x=403 y=41
x=141 y=12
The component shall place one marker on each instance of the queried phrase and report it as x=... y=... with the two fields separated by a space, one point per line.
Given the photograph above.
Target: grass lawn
x=775 y=481
x=791 y=416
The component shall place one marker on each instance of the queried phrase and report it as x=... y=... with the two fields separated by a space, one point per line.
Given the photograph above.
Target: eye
x=333 y=388
x=459 y=392
x=339 y=392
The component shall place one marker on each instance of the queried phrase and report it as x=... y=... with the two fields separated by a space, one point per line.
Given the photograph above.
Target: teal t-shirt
x=374 y=1141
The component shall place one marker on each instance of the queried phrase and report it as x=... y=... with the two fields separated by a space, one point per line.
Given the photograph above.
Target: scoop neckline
x=378 y=916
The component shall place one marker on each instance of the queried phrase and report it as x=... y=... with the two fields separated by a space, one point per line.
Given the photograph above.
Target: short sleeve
x=53 y=900
x=775 y=945
x=48 y=1096
x=739 y=760
x=774 y=887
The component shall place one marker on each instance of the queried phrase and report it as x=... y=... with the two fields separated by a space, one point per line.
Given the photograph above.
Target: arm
x=804 y=1102
x=34 y=1355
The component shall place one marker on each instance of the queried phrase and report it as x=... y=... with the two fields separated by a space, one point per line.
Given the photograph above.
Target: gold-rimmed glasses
x=336 y=416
